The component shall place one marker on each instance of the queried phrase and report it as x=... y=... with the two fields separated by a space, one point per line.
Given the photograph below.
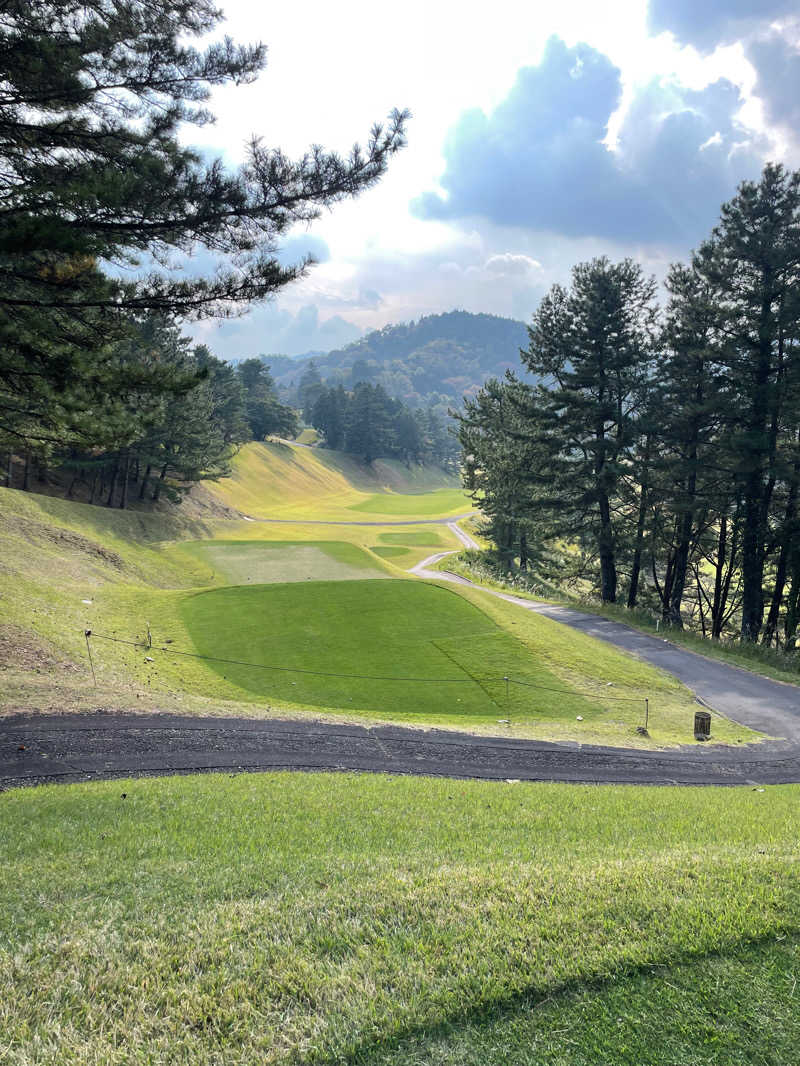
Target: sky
x=543 y=133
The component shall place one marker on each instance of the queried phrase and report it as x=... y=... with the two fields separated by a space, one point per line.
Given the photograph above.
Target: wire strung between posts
x=566 y=691
x=360 y=677
x=296 y=669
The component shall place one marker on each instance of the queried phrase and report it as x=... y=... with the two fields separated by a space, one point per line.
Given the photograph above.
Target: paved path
x=770 y=707
x=63 y=748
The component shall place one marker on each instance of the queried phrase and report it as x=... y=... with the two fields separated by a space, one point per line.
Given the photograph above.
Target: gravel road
x=63 y=748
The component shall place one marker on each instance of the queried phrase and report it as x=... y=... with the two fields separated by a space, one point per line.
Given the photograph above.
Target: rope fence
x=507 y=680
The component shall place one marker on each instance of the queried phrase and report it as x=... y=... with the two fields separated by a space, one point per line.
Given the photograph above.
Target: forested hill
x=434 y=361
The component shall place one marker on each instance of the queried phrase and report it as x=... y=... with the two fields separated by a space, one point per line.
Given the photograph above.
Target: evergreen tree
x=329 y=416
x=309 y=391
x=92 y=100
x=369 y=431
x=265 y=414
x=594 y=343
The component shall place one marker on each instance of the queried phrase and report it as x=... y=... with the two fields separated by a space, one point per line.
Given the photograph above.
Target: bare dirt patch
x=64 y=538
x=22 y=649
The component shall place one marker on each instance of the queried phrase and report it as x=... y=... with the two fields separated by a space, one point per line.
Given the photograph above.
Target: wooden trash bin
x=702 y=725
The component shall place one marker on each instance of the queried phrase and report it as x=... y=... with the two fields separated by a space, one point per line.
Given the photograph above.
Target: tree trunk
x=636 y=565
x=160 y=482
x=781 y=572
x=114 y=476
x=523 y=552
x=145 y=480
x=605 y=544
x=10 y=470
x=793 y=603
x=26 y=473
x=123 y=503
x=718 y=605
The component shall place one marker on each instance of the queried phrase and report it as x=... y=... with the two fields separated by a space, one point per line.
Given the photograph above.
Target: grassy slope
x=280 y=481
x=63 y=553
x=767 y=662
x=590 y=665
x=133 y=568
x=346 y=919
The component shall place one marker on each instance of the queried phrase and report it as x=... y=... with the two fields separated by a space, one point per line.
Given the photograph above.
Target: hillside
x=435 y=360
x=279 y=480
x=307 y=592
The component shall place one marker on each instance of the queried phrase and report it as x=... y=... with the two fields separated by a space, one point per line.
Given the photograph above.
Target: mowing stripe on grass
x=370 y=645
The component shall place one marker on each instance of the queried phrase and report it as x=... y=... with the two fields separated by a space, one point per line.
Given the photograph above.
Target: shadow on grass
x=723 y=1008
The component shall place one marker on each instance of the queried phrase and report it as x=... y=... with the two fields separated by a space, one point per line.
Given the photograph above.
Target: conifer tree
x=93 y=96
x=593 y=347
x=752 y=263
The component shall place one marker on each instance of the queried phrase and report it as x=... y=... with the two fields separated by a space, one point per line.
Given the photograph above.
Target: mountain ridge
x=432 y=361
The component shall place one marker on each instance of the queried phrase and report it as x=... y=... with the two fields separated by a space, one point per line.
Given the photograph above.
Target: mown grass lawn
x=416 y=652
x=441 y=502
x=267 y=561
x=356 y=919
x=425 y=538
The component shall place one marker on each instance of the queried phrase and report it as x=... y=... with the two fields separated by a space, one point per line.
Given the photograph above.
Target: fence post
x=506 y=681
x=646 y=711
x=87 y=633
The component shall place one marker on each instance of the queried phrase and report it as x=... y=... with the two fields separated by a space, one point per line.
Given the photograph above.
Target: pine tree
x=329 y=416
x=594 y=344
x=92 y=100
x=264 y=412
x=752 y=263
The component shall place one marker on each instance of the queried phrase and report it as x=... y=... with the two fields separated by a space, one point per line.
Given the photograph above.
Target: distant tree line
x=659 y=456
x=367 y=423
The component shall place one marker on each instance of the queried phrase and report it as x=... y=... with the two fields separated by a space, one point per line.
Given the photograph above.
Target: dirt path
x=64 y=748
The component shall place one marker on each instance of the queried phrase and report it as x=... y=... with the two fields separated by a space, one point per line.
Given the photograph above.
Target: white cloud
x=332 y=71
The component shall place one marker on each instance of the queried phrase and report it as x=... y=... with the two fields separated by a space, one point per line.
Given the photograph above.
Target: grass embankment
x=308 y=436
x=281 y=481
x=768 y=662
x=135 y=568
x=63 y=554
x=365 y=920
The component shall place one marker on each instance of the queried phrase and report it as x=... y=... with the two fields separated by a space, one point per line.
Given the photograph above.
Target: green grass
x=391 y=551
x=590 y=665
x=428 y=538
x=58 y=554
x=441 y=502
x=264 y=562
x=282 y=481
x=398 y=629
x=364 y=920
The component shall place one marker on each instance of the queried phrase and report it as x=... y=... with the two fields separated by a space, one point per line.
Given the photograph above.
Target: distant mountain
x=435 y=361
